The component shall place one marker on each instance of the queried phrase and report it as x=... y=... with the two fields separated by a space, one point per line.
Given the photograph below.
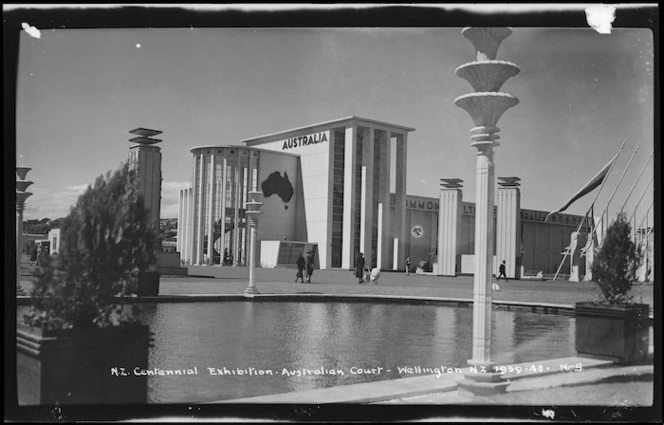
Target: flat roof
x=145 y=132
x=329 y=124
x=241 y=147
x=144 y=140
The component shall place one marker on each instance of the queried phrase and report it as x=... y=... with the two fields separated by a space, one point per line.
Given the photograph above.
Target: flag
x=589 y=187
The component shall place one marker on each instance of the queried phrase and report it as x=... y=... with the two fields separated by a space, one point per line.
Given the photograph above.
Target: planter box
x=614 y=332
x=76 y=366
x=148 y=284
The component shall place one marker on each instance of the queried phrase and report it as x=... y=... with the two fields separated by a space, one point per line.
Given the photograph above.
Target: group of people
x=364 y=273
x=303 y=264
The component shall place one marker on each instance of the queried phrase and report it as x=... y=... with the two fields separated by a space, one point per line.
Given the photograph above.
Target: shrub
x=106 y=239
x=616 y=264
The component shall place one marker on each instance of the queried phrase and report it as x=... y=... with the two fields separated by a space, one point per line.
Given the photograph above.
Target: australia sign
x=311 y=139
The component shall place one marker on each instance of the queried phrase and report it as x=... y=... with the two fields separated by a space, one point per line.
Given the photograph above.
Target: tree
x=616 y=264
x=106 y=238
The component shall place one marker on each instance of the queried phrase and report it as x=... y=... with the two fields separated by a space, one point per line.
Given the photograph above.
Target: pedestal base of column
x=482 y=384
x=250 y=292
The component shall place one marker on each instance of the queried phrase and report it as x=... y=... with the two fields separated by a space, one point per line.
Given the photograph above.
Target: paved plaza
x=233 y=280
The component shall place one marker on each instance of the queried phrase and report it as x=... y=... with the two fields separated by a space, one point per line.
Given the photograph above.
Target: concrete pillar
x=400 y=207
x=211 y=203
x=200 y=218
x=350 y=160
x=178 y=245
x=190 y=225
x=194 y=211
x=484 y=234
x=236 y=219
x=363 y=211
x=384 y=198
x=508 y=231
x=450 y=207
x=366 y=231
x=224 y=183
x=182 y=225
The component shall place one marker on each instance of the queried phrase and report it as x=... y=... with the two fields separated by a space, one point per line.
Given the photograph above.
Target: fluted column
x=484 y=233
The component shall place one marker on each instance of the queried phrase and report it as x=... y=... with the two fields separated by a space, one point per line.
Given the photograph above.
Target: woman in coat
x=359 y=268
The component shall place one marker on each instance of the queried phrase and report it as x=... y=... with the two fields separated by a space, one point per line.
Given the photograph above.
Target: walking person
x=300 y=263
x=407 y=266
x=501 y=272
x=359 y=268
x=310 y=265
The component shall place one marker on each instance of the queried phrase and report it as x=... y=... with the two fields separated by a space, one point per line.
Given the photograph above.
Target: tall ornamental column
x=21 y=195
x=508 y=223
x=145 y=158
x=449 y=219
x=486 y=75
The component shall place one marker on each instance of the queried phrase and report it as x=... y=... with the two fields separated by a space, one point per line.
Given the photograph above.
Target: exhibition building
x=338 y=188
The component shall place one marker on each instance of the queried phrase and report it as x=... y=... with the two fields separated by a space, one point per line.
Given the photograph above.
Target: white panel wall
x=315 y=180
x=277 y=219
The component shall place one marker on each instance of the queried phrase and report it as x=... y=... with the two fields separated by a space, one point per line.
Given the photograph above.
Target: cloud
x=170 y=194
x=52 y=203
x=56 y=203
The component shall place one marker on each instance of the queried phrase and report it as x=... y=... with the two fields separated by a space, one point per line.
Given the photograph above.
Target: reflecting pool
x=243 y=349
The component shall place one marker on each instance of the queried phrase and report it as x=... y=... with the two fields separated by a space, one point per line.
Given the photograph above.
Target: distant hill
x=167 y=227
x=41 y=226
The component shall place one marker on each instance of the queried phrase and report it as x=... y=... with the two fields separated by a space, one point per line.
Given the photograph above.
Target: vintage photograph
x=222 y=211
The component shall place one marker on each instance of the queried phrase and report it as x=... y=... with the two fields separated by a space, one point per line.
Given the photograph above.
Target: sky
x=581 y=94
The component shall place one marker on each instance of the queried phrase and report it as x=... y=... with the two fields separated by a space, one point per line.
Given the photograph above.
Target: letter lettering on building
x=296 y=142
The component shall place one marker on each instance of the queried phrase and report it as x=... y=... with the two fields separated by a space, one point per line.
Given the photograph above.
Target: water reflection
x=231 y=343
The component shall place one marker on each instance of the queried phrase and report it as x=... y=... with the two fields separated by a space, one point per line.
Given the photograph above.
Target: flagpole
x=641 y=198
x=637 y=180
x=615 y=158
x=620 y=181
x=644 y=218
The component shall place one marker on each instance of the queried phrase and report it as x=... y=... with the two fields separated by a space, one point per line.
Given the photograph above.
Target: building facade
x=328 y=183
x=341 y=186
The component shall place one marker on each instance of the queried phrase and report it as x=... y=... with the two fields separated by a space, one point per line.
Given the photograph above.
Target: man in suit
x=501 y=272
